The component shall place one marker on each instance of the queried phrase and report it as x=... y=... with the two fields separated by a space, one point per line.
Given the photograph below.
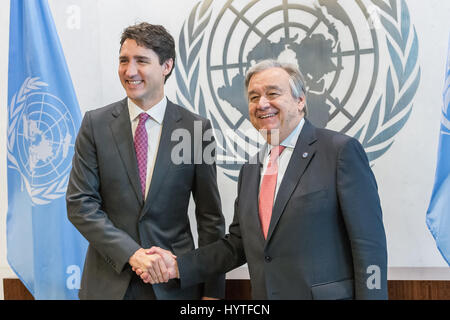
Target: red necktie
x=267 y=189
x=141 y=147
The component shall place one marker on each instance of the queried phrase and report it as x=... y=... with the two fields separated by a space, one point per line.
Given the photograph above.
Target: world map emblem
x=359 y=59
x=41 y=137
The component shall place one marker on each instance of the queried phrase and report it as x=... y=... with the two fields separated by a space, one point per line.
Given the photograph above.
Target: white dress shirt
x=285 y=156
x=153 y=127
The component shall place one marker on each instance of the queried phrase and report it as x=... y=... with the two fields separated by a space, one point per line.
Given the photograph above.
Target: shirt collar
x=156 y=112
x=291 y=140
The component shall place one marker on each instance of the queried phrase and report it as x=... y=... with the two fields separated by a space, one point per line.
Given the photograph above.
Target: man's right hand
x=170 y=264
x=151 y=264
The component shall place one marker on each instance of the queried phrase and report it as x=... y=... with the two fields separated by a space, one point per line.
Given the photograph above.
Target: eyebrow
x=273 y=87
x=270 y=87
x=135 y=57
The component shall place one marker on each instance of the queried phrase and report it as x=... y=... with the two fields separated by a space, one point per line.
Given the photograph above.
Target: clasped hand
x=154 y=265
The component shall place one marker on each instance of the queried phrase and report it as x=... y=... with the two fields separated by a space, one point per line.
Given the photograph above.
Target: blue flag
x=43 y=248
x=438 y=214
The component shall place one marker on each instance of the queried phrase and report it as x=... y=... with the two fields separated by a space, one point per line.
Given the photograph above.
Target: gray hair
x=296 y=80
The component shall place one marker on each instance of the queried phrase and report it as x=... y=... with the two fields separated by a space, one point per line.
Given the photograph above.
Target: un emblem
x=40 y=133
x=359 y=59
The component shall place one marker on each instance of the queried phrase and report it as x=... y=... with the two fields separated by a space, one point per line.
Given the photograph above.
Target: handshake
x=154 y=265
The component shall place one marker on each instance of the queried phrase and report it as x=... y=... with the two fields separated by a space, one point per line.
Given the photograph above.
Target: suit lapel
x=296 y=167
x=163 y=160
x=123 y=137
x=251 y=199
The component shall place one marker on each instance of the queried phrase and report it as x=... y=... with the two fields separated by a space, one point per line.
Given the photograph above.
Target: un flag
x=44 y=249
x=438 y=214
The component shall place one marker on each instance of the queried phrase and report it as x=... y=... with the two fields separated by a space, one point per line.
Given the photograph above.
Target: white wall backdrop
x=90 y=31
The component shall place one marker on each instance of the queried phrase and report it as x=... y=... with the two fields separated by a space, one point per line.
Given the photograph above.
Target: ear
x=167 y=65
x=301 y=104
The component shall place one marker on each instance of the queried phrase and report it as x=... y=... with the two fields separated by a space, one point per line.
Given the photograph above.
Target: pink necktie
x=141 y=147
x=267 y=189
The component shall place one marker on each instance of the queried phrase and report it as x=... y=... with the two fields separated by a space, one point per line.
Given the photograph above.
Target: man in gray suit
x=309 y=224
x=125 y=194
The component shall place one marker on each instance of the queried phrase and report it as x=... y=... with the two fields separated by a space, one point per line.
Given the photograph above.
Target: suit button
x=268 y=258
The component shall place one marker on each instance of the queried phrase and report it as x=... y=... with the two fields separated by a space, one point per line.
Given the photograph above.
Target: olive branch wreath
x=398 y=95
x=42 y=195
x=187 y=74
x=377 y=136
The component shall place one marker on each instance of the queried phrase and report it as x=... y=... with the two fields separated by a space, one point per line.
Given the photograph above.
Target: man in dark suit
x=309 y=224
x=126 y=194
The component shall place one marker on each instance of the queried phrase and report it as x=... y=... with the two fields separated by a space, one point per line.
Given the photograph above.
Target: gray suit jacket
x=104 y=201
x=325 y=232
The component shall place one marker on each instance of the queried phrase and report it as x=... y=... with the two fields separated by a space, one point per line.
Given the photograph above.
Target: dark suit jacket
x=104 y=201
x=325 y=232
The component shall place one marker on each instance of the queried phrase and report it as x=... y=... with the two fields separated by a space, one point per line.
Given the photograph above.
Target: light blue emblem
x=41 y=132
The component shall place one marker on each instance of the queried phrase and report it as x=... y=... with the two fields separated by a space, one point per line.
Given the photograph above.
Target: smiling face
x=141 y=74
x=272 y=108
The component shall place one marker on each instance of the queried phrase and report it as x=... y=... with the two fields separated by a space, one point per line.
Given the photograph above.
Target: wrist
x=133 y=260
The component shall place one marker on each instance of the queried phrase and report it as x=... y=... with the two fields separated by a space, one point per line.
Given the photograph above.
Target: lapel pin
x=305 y=155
